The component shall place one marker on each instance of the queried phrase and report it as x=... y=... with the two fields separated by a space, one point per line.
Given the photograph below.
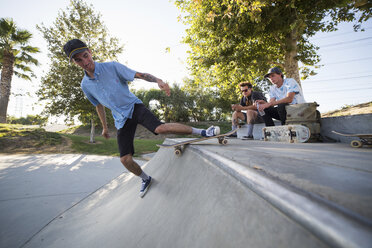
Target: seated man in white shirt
x=282 y=92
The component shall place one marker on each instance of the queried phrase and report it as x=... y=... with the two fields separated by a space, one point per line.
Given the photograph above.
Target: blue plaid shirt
x=109 y=87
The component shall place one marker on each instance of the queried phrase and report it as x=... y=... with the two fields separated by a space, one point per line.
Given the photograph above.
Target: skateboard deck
x=365 y=139
x=286 y=133
x=179 y=147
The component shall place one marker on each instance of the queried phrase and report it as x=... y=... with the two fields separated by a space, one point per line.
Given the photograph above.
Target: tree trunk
x=92 y=131
x=291 y=62
x=5 y=84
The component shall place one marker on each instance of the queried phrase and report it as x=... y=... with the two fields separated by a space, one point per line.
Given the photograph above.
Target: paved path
x=37 y=188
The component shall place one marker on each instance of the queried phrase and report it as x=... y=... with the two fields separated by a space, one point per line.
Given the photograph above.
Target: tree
x=235 y=40
x=188 y=103
x=173 y=108
x=15 y=56
x=60 y=87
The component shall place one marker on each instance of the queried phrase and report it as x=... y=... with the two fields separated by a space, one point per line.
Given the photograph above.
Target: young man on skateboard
x=106 y=85
x=247 y=103
x=282 y=92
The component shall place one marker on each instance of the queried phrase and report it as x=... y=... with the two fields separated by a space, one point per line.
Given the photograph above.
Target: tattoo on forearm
x=148 y=77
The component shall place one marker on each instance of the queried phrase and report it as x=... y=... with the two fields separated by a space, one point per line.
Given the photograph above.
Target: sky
x=147 y=27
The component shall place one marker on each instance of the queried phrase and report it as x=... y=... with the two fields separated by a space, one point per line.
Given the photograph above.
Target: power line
x=354 y=72
x=346 y=47
x=339 y=90
x=334 y=79
x=335 y=35
x=348 y=61
x=345 y=42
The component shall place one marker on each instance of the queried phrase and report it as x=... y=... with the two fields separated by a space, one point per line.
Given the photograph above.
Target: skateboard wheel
x=178 y=152
x=356 y=143
x=266 y=139
x=224 y=142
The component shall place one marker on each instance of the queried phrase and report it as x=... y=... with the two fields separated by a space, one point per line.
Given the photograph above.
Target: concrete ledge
x=353 y=124
x=319 y=217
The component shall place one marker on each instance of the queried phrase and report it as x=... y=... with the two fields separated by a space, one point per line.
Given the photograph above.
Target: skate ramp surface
x=193 y=202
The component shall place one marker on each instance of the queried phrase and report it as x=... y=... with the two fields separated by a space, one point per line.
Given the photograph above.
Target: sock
x=250 y=129
x=144 y=176
x=197 y=131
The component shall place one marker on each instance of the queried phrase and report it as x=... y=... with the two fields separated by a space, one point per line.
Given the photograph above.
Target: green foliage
x=29 y=120
x=173 y=108
x=23 y=137
x=192 y=102
x=14 y=43
x=60 y=87
x=233 y=40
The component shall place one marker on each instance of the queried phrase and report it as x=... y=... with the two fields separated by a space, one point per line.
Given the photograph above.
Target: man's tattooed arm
x=147 y=77
x=150 y=78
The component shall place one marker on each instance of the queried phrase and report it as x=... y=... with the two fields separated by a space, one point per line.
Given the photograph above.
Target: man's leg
x=282 y=113
x=235 y=122
x=251 y=117
x=235 y=119
x=270 y=113
x=125 y=138
x=173 y=128
x=131 y=165
x=146 y=118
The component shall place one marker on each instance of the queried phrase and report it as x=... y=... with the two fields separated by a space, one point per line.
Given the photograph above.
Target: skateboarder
x=282 y=92
x=106 y=85
x=247 y=103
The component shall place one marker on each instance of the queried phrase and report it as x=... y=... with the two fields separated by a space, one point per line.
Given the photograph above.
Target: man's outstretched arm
x=150 y=78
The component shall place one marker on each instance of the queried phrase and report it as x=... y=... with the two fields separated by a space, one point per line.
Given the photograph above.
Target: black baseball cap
x=273 y=70
x=73 y=47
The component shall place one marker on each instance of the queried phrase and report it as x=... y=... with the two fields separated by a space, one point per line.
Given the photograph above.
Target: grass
x=13 y=135
x=18 y=138
x=102 y=146
x=24 y=139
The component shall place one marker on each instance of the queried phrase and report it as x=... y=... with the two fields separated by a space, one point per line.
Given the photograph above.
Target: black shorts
x=125 y=135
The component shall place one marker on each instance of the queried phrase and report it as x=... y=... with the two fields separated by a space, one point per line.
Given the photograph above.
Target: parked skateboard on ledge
x=365 y=139
x=286 y=133
x=179 y=147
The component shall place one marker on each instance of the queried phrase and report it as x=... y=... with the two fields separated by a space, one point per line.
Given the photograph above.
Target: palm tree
x=15 y=55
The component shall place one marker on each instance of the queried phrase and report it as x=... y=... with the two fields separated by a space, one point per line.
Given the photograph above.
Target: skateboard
x=365 y=139
x=286 y=133
x=179 y=147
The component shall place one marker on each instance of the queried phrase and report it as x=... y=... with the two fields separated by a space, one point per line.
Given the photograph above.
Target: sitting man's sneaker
x=145 y=186
x=233 y=135
x=211 y=131
x=250 y=137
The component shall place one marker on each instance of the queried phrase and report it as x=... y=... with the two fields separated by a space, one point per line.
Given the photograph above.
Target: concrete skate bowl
x=196 y=200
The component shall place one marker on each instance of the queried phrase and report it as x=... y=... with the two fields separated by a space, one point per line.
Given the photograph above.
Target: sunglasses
x=246 y=90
